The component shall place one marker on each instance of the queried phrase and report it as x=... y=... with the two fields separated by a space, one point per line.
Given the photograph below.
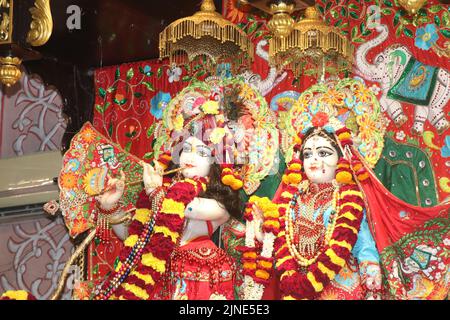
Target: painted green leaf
x=187 y=67
x=186 y=78
x=334 y=14
x=388 y=3
x=423 y=20
x=252 y=27
x=445 y=19
x=141 y=70
x=99 y=108
x=399 y=30
x=320 y=8
x=110 y=129
x=343 y=12
x=130 y=74
x=101 y=92
x=338 y=23
x=259 y=33
x=138 y=94
x=106 y=105
x=354 y=15
x=367 y=32
x=408 y=33
x=117 y=74
x=437 y=21
x=148 y=85
x=354 y=31
x=328 y=6
x=112 y=89
x=128 y=146
x=160 y=71
x=148 y=155
x=422 y=12
x=386 y=12
x=435 y=9
x=353 y=6
x=359 y=40
x=151 y=130
x=120 y=102
x=445 y=33
x=362 y=27
x=397 y=18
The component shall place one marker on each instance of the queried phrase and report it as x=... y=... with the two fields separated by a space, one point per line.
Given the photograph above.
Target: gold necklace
x=290 y=232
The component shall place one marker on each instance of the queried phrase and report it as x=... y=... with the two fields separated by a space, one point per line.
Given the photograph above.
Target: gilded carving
x=5 y=21
x=42 y=25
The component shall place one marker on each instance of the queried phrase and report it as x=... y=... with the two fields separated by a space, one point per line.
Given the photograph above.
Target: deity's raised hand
x=258 y=217
x=115 y=189
x=153 y=176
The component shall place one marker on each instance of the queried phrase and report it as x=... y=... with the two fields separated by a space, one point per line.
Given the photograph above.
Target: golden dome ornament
x=206 y=33
x=10 y=70
x=312 y=47
x=281 y=23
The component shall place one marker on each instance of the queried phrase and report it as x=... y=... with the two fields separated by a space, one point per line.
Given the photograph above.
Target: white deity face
x=196 y=156
x=320 y=160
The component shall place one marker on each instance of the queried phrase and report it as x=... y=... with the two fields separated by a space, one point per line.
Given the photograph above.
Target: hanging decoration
x=205 y=34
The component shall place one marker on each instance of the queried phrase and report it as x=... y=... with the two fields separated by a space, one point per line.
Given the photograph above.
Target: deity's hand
x=115 y=188
x=258 y=217
x=152 y=176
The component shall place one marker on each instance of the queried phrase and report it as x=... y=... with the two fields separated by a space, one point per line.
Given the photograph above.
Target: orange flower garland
x=154 y=245
x=301 y=279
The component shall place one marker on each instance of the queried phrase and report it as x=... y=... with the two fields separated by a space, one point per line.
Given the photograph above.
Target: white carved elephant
x=387 y=69
x=273 y=78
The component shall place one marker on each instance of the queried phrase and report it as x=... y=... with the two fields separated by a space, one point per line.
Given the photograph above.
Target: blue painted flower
x=445 y=151
x=159 y=103
x=426 y=36
x=223 y=70
x=147 y=70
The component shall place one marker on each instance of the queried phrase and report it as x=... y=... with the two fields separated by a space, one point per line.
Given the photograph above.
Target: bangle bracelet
x=110 y=211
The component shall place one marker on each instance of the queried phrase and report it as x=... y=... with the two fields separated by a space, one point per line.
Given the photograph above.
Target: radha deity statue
x=222 y=137
x=330 y=229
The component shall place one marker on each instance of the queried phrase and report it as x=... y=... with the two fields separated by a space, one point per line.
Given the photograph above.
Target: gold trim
x=6 y=21
x=42 y=25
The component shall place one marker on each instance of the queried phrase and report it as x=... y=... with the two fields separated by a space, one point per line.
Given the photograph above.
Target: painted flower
x=68 y=180
x=178 y=123
x=363 y=94
x=334 y=98
x=426 y=36
x=211 y=107
x=366 y=127
x=217 y=135
x=247 y=92
x=147 y=70
x=400 y=135
x=320 y=119
x=375 y=89
x=445 y=151
x=174 y=73
x=447 y=241
x=159 y=102
x=88 y=135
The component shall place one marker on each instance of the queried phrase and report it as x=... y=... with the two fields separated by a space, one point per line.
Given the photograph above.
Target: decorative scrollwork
x=5 y=21
x=42 y=25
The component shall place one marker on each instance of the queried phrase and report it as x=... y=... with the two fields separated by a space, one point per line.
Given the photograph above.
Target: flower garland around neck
x=144 y=259
x=302 y=278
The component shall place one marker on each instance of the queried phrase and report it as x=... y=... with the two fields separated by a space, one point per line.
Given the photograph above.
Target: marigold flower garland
x=306 y=279
x=258 y=268
x=154 y=245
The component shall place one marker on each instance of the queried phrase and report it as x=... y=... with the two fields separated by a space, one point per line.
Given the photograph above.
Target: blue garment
x=365 y=248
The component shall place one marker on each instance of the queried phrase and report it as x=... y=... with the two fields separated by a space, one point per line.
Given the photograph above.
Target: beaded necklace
x=308 y=251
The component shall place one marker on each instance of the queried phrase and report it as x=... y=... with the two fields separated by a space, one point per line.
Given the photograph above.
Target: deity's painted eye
x=307 y=154
x=323 y=153
x=202 y=151
x=187 y=147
